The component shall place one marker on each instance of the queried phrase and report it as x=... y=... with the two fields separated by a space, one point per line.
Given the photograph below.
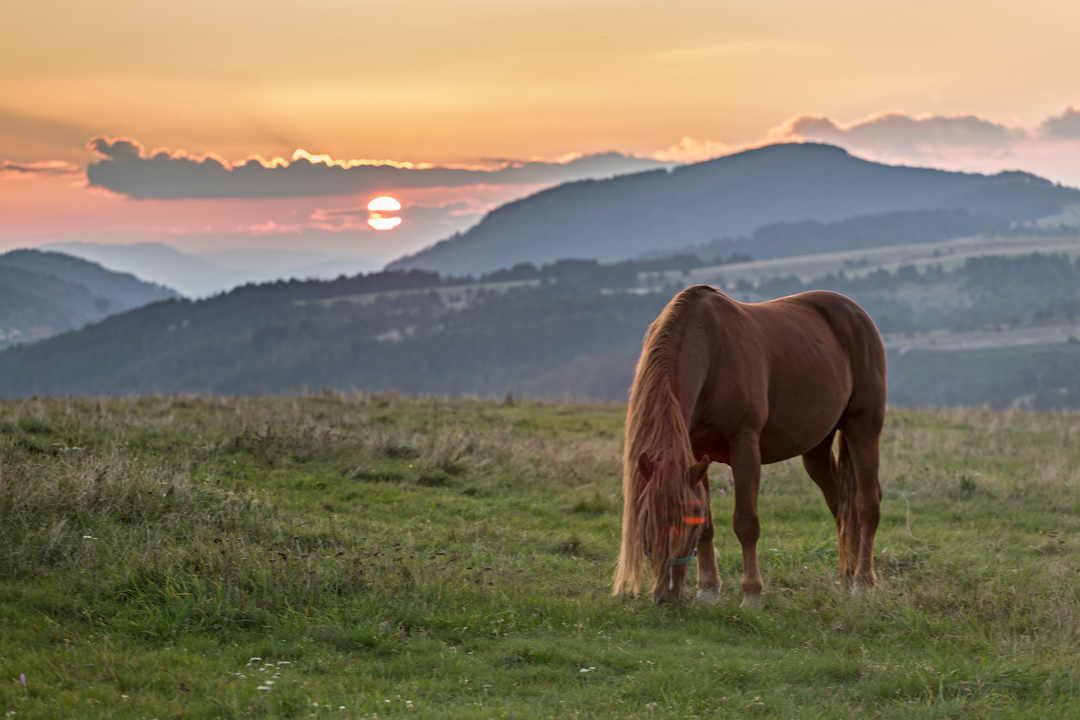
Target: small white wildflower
x=341 y=708
x=263 y=688
x=585 y=670
x=283 y=662
x=254 y=660
x=88 y=537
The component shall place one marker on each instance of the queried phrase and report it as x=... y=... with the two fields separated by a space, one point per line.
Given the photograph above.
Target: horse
x=748 y=384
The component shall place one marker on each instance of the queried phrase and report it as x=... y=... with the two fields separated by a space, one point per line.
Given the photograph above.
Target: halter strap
x=681 y=561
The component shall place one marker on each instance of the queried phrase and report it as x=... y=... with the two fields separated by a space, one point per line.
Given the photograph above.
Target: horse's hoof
x=864 y=582
x=751 y=602
x=707 y=597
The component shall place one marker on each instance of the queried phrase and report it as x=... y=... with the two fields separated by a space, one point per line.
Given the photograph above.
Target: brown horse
x=747 y=384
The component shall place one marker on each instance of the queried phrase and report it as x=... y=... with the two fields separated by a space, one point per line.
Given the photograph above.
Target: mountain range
x=47 y=293
x=727 y=199
x=776 y=201
x=202 y=275
x=572 y=327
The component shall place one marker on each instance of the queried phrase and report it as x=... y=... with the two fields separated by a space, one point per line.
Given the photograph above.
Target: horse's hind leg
x=820 y=464
x=860 y=443
x=746 y=472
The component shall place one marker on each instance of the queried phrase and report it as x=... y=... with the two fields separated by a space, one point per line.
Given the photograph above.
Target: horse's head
x=676 y=506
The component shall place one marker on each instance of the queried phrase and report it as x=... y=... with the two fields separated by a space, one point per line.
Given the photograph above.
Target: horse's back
x=790 y=367
x=859 y=341
x=855 y=331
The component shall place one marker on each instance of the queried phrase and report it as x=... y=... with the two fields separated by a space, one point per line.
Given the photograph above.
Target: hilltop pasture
x=359 y=556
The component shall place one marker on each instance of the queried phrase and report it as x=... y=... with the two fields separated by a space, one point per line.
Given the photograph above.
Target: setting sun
x=384 y=203
x=380 y=205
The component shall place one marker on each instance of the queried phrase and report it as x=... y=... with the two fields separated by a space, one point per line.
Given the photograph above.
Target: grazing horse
x=746 y=385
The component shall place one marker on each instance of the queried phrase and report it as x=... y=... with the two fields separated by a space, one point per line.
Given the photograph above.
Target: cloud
x=43 y=167
x=693 y=150
x=124 y=166
x=1066 y=125
x=897 y=134
x=952 y=142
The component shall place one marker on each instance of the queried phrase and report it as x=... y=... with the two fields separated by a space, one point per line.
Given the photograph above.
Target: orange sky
x=434 y=82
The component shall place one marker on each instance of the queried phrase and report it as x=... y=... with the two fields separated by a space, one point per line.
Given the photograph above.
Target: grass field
x=353 y=557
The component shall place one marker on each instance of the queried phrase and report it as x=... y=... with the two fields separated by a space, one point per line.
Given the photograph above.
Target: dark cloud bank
x=125 y=167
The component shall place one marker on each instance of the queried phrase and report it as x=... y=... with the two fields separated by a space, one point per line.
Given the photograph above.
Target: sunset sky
x=217 y=125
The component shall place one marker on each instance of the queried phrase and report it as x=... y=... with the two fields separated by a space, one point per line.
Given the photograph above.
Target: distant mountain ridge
x=189 y=274
x=649 y=212
x=202 y=275
x=47 y=293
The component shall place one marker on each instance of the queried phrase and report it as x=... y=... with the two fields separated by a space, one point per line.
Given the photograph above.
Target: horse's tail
x=847 y=515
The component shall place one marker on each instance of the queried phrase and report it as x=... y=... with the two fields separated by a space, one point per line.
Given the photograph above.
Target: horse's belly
x=777 y=448
x=773 y=449
x=787 y=437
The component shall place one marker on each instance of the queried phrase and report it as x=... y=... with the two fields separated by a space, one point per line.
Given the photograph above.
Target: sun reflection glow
x=384 y=223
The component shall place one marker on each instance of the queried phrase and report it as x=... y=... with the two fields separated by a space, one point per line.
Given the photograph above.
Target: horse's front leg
x=746 y=472
x=708 y=578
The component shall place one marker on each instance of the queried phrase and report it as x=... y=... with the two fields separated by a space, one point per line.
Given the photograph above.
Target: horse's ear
x=645 y=467
x=698 y=471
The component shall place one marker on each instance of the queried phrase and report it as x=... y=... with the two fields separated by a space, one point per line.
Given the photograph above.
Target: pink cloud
x=1066 y=125
x=50 y=167
x=952 y=142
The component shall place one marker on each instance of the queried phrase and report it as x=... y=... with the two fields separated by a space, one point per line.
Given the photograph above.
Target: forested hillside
x=47 y=293
x=571 y=329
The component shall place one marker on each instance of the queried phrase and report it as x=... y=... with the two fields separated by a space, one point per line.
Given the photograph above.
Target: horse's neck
x=689 y=375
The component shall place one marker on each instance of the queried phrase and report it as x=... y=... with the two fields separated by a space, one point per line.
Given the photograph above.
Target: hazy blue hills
x=729 y=199
x=209 y=273
x=190 y=275
x=47 y=293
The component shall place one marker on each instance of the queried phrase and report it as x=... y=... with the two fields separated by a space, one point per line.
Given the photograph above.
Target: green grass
x=169 y=557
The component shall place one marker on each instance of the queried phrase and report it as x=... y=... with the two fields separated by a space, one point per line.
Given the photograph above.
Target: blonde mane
x=654 y=428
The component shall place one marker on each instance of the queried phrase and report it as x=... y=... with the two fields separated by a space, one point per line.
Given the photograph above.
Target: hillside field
x=360 y=556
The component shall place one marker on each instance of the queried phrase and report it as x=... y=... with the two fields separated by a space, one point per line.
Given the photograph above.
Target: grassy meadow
x=361 y=556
